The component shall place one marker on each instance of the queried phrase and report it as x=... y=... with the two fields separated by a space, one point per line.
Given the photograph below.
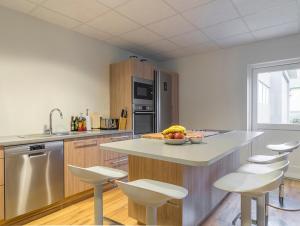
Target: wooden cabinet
x=82 y=153
x=1 y=184
x=86 y=153
x=114 y=159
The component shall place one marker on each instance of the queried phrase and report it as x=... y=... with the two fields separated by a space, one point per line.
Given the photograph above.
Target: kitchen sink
x=44 y=135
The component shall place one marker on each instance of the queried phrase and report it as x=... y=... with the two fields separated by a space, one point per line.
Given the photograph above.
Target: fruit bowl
x=196 y=140
x=175 y=141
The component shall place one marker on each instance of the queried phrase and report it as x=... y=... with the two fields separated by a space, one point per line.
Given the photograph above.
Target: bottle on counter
x=72 y=123
x=76 y=123
x=88 y=120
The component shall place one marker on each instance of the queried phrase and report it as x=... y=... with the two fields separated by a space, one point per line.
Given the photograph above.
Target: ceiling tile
x=162 y=46
x=181 y=5
x=272 y=17
x=277 y=31
x=55 y=18
x=145 y=12
x=141 y=36
x=119 y=42
x=77 y=9
x=171 y=26
x=204 y=47
x=191 y=38
x=212 y=13
x=247 y=7
x=226 y=29
x=181 y=52
x=113 y=23
x=112 y=3
x=236 y=40
x=92 y=32
x=20 y=5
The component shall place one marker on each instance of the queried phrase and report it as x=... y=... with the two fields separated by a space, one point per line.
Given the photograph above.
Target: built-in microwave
x=142 y=91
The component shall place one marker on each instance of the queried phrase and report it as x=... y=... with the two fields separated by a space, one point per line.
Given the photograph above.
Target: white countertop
x=29 y=139
x=211 y=150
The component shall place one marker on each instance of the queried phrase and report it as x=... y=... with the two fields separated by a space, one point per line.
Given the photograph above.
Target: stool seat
x=267 y=159
x=96 y=174
x=285 y=147
x=152 y=193
x=249 y=183
x=255 y=168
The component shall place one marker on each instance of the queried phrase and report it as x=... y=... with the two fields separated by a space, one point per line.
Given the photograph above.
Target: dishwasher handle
x=37 y=154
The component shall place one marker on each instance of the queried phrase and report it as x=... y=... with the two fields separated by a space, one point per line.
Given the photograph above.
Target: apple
x=178 y=136
x=170 y=136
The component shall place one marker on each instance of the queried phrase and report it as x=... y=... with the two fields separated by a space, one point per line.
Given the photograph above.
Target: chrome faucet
x=50 y=119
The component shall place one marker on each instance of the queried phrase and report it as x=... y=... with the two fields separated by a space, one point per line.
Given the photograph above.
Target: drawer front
x=1 y=172
x=118 y=163
x=1 y=203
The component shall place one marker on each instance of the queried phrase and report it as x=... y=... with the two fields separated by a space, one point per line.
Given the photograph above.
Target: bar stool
x=151 y=194
x=97 y=175
x=253 y=168
x=250 y=186
x=283 y=151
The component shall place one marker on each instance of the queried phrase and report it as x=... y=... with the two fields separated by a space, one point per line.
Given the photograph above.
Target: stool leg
x=261 y=211
x=281 y=194
x=246 y=210
x=98 y=204
x=267 y=209
x=151 y=215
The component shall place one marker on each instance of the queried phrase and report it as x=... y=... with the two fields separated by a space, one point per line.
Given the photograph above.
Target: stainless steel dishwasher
x=34 y=177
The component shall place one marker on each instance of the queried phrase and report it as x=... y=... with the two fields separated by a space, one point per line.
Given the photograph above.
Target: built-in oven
x=143 y=119
x=143 y=91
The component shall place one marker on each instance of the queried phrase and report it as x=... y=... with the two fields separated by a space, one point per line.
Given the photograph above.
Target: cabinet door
x=74 y=155
x=1 y=172
x=1 y=203
x=148 y=71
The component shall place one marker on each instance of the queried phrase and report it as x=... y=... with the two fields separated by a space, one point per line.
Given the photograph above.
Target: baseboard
x=293 y=172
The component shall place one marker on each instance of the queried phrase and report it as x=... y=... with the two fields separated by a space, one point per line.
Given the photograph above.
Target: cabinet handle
x=120 y=160
x=119 y=138
x=83 y=144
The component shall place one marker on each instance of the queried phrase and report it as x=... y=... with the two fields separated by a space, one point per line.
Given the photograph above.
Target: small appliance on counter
x=109 y=123
x=95 y=120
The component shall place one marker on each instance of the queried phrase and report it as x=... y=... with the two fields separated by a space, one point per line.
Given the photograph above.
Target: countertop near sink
x=27 y=139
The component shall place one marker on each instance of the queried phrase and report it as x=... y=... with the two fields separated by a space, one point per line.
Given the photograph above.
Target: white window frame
x=252 y=72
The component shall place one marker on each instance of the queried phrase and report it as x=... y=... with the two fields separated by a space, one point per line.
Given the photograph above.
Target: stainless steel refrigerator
x=163 y=100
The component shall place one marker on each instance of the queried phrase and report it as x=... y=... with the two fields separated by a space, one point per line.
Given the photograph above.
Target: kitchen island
x=193 y=166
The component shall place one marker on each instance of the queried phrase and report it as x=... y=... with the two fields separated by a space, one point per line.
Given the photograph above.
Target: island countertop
x=211 y=150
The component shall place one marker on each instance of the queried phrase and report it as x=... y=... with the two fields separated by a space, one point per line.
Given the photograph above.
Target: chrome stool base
x=288 y=204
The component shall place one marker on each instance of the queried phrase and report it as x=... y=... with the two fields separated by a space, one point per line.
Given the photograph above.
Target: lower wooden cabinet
x=1 y=172
x=82 y=153
x=86 y=152
x=1 y=202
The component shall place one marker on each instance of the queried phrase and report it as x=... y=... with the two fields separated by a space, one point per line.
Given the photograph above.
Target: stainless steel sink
x=44 y=135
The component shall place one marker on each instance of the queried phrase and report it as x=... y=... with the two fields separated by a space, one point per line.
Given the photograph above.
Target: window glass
x=278 y=97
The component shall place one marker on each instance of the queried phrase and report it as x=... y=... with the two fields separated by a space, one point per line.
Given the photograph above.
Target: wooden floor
x=115 y=207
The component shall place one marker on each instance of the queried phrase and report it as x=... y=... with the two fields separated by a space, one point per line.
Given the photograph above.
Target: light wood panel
x=1 y=171
x=115 y=207
x=148 y=70
x=120 y=90
x=202 y=198
x=1 y=203
x=1 y=153
x=73 y=155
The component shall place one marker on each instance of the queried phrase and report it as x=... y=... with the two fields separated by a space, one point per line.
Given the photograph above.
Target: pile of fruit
x=174 y=132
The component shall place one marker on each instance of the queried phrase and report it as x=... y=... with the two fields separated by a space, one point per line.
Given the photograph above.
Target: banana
x=174 y=129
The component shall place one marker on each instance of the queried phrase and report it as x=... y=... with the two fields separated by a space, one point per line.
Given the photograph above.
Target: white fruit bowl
x=196 y=140
x=175 y=141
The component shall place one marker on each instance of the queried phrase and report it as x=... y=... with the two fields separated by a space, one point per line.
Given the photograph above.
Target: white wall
x=43 y=66
x=213 y=85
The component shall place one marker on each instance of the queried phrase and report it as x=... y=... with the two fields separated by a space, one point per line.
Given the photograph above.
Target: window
x=276 y=96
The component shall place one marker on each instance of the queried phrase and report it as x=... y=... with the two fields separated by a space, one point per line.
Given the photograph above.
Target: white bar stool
x=151 y=194
x=97 y=175
x=254 y=168
x=250 y=186
x=283 y=151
